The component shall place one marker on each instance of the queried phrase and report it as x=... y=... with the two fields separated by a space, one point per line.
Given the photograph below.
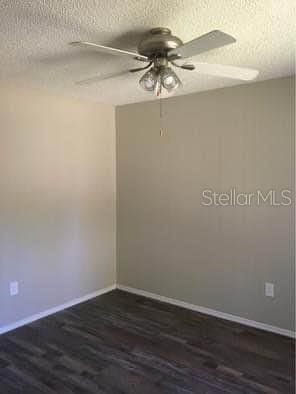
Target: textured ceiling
x=34 y=35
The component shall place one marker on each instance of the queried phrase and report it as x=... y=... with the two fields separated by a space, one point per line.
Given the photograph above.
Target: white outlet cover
x=269 y=289
x=13 y=288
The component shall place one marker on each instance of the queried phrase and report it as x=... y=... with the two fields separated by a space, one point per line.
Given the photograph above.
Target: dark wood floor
x=122 y=343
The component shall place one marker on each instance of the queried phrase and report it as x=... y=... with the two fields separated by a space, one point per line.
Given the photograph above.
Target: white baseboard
x=55 y=309
x=212 y=312
x=197 y=308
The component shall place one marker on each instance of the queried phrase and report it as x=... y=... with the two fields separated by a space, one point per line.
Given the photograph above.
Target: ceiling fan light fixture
x=169 y=79
x=158 y=79
x=149 y=80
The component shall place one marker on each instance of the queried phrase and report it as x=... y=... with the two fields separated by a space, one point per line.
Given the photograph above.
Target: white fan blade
x=211 y=40
x=220 y=70
x=100 y=78
x=110 y=50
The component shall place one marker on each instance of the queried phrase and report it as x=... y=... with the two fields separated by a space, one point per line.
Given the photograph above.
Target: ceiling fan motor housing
x=158 y=42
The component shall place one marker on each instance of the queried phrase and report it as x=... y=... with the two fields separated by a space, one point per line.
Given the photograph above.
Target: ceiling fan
x=161 y=50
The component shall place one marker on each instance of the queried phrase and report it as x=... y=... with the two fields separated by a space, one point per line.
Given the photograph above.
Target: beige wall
x=216 y=257
x=57 y=200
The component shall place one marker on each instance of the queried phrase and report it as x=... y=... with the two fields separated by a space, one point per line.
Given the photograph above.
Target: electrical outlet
x=13 y=288
x=269 y=289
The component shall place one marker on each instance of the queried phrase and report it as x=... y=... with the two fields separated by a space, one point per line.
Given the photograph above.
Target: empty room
x=147 y=196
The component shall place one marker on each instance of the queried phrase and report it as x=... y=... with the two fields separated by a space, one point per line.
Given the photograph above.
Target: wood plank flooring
x=123 y=343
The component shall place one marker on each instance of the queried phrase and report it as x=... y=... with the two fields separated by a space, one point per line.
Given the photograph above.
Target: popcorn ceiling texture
x=34 y=37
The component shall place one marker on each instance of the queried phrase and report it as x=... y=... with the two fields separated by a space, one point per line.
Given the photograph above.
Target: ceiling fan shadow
x=127 y=40
x=103 y=77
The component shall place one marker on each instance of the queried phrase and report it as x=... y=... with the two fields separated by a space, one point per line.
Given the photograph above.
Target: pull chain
x=161 y=131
